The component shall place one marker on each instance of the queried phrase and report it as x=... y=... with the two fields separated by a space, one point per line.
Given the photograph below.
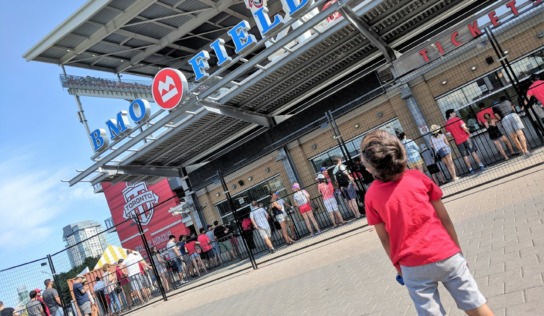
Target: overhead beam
x=177 y=34
x=153 y=40
x=239 y=114
x=367 y=32
x=142 y=170
x=108 y=28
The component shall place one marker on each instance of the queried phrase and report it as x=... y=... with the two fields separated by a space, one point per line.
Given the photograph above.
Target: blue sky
x=43 y=141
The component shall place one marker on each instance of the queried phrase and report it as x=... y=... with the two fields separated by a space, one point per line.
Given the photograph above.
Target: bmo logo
x=169 y=86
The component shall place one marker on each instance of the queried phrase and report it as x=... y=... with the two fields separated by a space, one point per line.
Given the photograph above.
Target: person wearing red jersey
x=416 y=232
x=460 y=133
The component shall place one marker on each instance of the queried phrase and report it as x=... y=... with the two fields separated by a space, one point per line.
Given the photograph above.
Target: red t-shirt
x=454 y=127
x=537 y=90
x=416 y=234
x=190 y=247
x=204 y=242
x=480 y=115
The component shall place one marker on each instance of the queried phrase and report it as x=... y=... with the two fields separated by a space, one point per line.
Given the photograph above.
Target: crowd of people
x=504 y=128
x=95 y=83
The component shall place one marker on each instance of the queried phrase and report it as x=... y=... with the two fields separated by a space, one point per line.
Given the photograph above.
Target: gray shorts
x=85 y=308
x=331 y=205
x=265 y=232
x=467 y=147
x=422 y=284
x=511 y=123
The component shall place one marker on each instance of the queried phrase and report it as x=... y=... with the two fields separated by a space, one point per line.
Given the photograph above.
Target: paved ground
x=501 y=227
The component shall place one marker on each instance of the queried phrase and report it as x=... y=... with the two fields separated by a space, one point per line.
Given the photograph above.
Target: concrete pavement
x=501 y=228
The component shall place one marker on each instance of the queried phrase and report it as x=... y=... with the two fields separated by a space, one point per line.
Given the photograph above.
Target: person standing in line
x=80 y=293
x=327 y=192
x=412 y=151
x=34 y=306
x=287 y=209
x=207 y=248
x=416 y=232
x=98 y=290
x=110 y=281
x=160 y=263
x=247 y=232
x=7 y=311
x=495 y=135
x=281 y=217
x=121 y=273
x=302 y=201
x=461 y=134
x=535 y=94
x=132 y=263
x=512 y=124
x=222 y=233
x=346 y=185
x=215 y=247
x=259 y=219
x=176 y=257
x=40 y=299
x=192 y=247
x=52 y=299
x=442 y=150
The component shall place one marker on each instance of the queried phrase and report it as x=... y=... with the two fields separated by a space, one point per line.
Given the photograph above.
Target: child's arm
x=446 y=220
x=384 y=238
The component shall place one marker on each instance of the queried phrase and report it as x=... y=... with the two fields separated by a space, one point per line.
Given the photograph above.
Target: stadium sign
x=457 y=37
x=168 y=87
x=139 y=111
x=241 y=37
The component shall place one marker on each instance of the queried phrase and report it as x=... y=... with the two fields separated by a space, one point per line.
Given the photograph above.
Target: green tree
x=62 y=278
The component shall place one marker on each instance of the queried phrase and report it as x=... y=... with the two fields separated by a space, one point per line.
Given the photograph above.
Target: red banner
x=151 y=204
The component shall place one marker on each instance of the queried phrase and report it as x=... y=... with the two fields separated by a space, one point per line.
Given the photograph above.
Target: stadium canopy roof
x=141 y=37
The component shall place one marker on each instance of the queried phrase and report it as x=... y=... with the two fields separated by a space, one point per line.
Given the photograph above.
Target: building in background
x=75 y=236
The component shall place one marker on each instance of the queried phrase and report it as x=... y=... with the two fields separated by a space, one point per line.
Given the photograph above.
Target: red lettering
x=474 y=29
x=512 y=6
x=494 y=18
x=454 y=40
x=423 y=54
x=440 y=48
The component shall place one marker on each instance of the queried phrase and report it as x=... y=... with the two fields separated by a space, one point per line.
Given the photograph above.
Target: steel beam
x=108 y=28
x=176 y=34
x=365 y=29
x=237 y=113
x=143 y=170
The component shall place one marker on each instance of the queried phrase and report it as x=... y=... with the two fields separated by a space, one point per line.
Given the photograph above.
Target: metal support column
x=149 y=254
x=342 y=145
x=417 y=115
x=236 y=220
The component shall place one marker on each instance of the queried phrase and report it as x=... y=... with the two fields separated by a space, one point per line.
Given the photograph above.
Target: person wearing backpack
x=346 y=185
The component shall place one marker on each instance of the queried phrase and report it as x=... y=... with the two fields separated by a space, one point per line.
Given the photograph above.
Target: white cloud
x=31 y=200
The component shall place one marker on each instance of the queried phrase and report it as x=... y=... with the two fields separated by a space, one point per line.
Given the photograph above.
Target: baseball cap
x=320 y=177
x=296 y=186
x=323 y=169
x=37 y=291
x=435 y=128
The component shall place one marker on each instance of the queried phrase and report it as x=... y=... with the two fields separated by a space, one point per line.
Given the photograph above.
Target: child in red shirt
x=407 y=212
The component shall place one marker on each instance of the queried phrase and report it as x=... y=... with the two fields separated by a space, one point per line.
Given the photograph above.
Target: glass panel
x=325 y=159
x=260 y=192
x=454 y=100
